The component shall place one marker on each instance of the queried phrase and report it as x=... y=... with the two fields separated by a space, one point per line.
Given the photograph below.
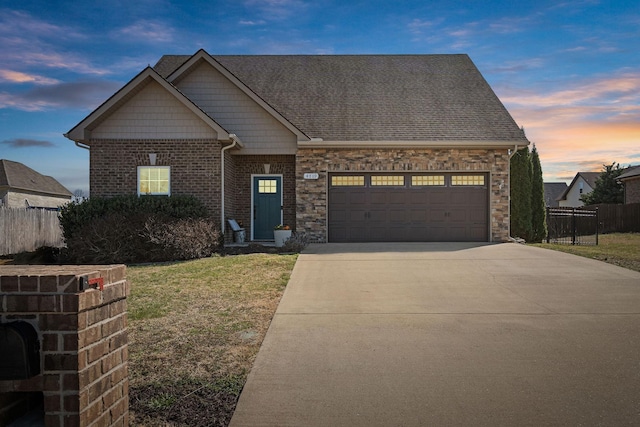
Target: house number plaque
x=311 y=176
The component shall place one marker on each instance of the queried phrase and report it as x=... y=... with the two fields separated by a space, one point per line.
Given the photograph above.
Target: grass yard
x=195 y=328
x=622 y=249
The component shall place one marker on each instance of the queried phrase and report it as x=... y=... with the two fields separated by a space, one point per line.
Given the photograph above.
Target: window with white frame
x=154 y=180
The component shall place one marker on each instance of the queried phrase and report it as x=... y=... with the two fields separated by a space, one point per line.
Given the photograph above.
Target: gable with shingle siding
x=260 y=132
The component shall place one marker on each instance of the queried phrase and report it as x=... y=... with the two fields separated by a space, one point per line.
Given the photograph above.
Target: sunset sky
x=568 y=72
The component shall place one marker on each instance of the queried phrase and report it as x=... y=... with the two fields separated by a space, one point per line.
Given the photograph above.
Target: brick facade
x=195 y=170
x=83 y=342
x=312 y=210
x=247 y=166
x=632 y=190
x=195 y=167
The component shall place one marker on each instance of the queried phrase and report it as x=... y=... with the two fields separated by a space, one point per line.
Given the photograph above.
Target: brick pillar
x=83 y=340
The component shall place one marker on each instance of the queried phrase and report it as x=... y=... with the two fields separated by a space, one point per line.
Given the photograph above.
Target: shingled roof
x=374 y=97
x=16 y=176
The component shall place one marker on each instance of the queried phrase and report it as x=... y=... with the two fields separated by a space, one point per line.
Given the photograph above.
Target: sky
x=567 y=71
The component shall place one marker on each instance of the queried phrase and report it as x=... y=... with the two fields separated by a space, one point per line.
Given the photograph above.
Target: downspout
x=235 y=141
x=515 y=150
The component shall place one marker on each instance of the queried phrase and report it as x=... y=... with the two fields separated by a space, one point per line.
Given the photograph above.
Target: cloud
x=252 y=23
x=14 y=22
x=79 y=94
x=19 y=77
x=21 y=143
x=146 y=31
x=591 y=121
x=275 y=10
x=31 y=42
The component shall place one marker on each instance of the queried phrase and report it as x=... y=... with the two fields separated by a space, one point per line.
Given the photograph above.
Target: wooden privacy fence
x=618 y=218
x=25 y=230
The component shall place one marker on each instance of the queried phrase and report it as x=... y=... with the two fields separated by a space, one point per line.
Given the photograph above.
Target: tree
x=607 y=189
x=520 y=184
x=538 y=211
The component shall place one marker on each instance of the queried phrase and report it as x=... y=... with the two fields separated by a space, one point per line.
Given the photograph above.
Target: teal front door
x=267 y=206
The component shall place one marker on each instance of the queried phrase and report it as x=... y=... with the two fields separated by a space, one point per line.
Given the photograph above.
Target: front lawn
x=195 y=328
x=622 y=249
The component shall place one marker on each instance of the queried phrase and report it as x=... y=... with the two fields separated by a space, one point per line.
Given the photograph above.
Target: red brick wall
x=245 y=167
x=195 y=167
x=632 y=190
x=83 y=341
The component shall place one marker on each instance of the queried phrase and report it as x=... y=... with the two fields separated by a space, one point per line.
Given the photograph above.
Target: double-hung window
x=154 y=180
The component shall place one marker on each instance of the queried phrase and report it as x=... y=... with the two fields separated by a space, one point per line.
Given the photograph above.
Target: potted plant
x=280 y=234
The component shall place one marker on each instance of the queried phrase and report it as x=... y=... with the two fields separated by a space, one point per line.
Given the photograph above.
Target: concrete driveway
x=441 y=334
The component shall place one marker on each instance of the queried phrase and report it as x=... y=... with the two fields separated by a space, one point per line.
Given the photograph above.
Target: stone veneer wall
x=83 y=341
x=245 y=167
x=311 y=195
x=195 y=167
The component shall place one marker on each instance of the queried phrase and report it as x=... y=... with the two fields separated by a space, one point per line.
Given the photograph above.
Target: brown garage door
x=408 y=207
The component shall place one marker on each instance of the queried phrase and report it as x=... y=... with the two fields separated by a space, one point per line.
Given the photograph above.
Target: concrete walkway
x=446 y=334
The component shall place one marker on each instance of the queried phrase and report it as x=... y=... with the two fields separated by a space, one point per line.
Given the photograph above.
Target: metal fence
x=25 y=230
x=572 y=226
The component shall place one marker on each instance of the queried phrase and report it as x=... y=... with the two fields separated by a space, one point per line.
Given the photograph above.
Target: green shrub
x=74 y=216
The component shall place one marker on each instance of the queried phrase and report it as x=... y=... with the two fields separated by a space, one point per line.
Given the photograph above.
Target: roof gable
x=373 y=97
x=17 y=176
x=82 y=132
x=202 y=56
x=588 y=177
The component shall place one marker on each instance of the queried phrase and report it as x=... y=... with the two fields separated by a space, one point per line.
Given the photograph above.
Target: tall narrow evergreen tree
x=520 y=184
x=538 y=211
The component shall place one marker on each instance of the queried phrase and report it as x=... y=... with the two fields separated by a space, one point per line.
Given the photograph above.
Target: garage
x=408 y=207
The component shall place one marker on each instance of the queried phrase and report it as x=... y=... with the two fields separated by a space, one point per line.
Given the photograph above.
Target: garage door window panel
x=467 y=180
x=347 y=181
x=427 y=180
x=387 y=180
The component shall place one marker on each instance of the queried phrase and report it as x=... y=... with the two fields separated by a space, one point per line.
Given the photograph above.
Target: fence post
x=597 y=224
x=573 y=226
x=548 y=223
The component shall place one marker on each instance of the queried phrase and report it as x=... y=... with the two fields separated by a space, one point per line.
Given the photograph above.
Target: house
x=552 y=191
x=630 y=179
x=582 y=183
x=345 y=148
x=22 y=187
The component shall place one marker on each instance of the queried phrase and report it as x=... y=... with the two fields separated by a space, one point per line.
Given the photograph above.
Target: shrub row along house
x=344 y=148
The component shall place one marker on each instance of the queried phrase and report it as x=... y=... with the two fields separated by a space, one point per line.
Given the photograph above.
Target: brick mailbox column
x=80 y=315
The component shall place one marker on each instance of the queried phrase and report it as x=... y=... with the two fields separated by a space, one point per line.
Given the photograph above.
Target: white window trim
x=168 y=193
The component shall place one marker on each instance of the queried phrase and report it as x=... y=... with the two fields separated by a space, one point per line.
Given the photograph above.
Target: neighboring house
x=552 y=191
x=583 y=183
x=344 y=148
x=22 y=187
x=630 y=179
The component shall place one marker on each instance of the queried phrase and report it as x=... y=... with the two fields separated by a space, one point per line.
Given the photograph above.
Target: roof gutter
x=235 y=142
x=472 y=144
x=78 y=143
